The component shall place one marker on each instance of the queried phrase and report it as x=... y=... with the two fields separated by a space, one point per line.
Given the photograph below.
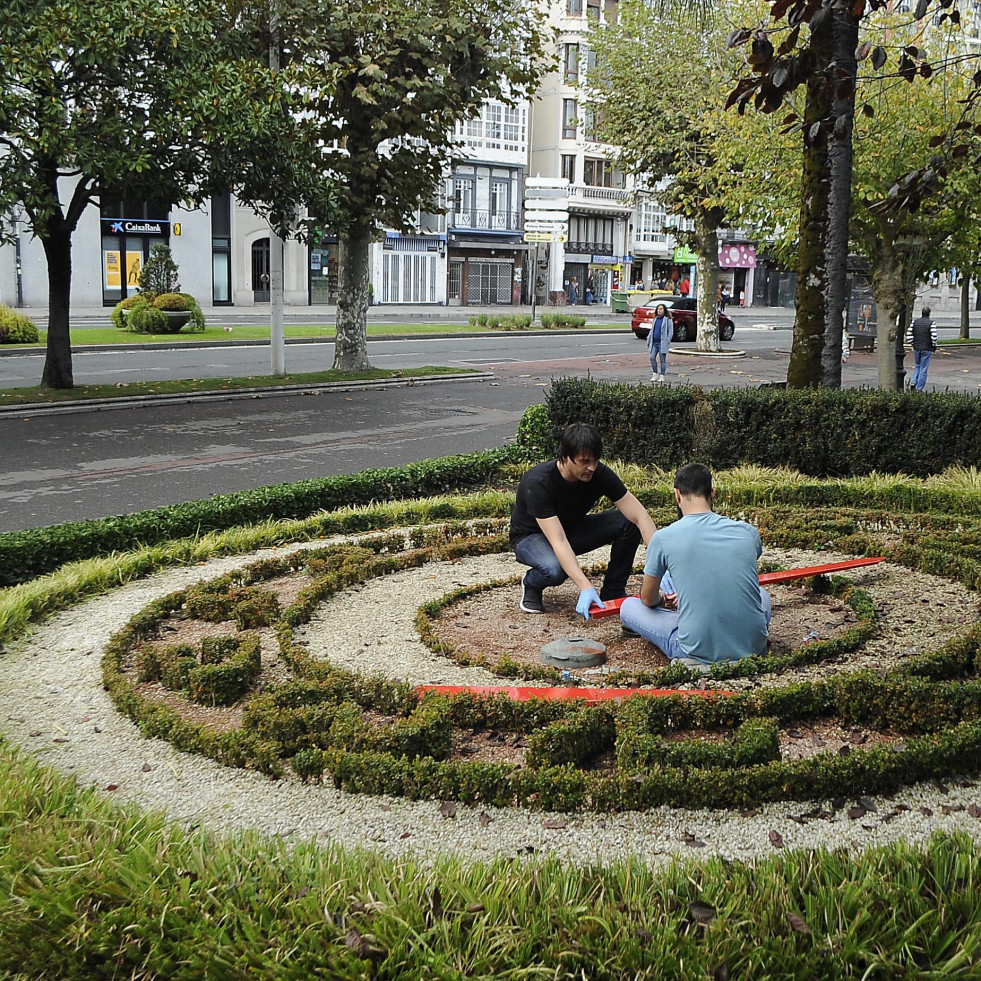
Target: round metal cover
x=574 y=652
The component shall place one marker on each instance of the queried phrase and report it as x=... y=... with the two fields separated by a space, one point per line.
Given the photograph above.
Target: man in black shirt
x=551 y=523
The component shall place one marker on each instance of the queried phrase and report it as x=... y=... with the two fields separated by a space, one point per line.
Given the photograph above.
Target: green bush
x=15 y=328
x=823 y=432
x=27 y=554
x=147 y=319
x=171 y=301
x=562 y=320
x=159 y=272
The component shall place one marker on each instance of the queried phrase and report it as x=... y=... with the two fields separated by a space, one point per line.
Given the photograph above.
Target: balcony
x=498 y=222
x=589 y=248
x=607 y=198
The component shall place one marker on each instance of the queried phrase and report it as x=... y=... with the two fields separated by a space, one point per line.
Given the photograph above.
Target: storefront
x=129 y=230
x=411 y=269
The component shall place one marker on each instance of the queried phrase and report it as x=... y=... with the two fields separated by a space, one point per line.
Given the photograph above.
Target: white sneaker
x=660 y=378
x=655 y=377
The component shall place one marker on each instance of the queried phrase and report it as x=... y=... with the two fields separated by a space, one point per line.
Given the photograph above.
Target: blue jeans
x=660 y=626
x=664 y=362
x=595 y=530
x=921 y=363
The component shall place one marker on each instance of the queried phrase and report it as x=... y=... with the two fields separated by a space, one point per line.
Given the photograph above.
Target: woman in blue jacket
x=659 y=341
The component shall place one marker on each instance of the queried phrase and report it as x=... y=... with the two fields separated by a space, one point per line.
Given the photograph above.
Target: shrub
x=147 y=319
x=15 y=328
x=562 y=320
x=159 y=272
x=171 y=301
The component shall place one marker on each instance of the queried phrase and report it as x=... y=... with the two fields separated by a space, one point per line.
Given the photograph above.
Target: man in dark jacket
x=922 y=337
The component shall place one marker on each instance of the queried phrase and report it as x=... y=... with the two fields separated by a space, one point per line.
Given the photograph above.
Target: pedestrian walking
x=922 y=337
x=723 y=298
x=573 y=291
x=659 y=342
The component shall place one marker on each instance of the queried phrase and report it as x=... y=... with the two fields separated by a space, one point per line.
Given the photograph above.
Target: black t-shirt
x=545 y=493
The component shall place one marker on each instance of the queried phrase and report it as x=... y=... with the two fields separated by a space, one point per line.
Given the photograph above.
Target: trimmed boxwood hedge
x=331 y=724
x=25 y=555
x=823 y=432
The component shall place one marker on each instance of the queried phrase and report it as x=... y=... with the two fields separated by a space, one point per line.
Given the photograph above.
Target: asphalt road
x=68 y=465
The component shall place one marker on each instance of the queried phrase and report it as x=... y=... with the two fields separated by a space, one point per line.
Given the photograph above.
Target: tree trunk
x=805 y=368
x=965 y=305
x=840 y=155
x=351 y=346
x=57 y=243
x=892 y=300
x=707 y=278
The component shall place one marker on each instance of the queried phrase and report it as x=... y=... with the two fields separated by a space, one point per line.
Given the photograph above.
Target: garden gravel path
x=52 y=704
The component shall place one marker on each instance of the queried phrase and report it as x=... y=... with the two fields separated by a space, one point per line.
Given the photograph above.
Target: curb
x=228 y=395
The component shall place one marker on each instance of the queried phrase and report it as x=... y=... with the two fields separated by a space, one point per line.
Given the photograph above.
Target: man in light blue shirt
x=701 y=600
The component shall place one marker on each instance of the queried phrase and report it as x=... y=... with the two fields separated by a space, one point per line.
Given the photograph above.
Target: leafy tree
x=824 y=58
x=161 y=99
x=159 y=272
x=385 y=84
x=662 y=107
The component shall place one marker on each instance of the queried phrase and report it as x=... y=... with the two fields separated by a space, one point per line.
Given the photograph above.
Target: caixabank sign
x=135 y=226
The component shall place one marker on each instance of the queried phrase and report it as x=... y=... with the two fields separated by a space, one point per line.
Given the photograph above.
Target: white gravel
x=52 y=704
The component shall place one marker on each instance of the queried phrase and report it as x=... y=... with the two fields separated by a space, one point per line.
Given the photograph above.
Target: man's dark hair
x=694 y=480
x=580 y=439
x=926 y=312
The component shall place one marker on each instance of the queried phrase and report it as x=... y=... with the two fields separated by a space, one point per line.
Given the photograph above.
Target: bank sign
x=131 y=226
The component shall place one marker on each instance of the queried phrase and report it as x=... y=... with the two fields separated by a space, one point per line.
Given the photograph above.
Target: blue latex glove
x=587 y=598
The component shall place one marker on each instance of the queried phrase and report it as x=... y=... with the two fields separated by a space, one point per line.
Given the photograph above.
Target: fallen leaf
x=447 y=809
x=702 y=913
x=692 y=842
x=974 y=811
x=554 y=824
x=926 y=811
x=147 y=768
x=857 y=812
x=361 y=946
x=484 y=819
x=776 y=839
x=476 y=908
x=798 y=923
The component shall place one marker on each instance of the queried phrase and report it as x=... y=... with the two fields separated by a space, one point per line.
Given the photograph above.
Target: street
x=69 y=464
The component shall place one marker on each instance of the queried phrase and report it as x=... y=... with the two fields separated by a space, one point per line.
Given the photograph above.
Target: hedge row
x=823 y=432
x=25 y=555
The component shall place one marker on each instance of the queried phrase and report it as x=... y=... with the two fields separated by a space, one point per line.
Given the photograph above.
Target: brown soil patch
x=490 y=624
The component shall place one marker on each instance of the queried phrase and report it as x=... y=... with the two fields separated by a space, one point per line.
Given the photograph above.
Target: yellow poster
x=110 y=262
x=134 y=266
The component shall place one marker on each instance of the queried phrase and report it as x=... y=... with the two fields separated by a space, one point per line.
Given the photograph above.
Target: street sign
x=546 y=237
x=555 y=217
x=545 y=183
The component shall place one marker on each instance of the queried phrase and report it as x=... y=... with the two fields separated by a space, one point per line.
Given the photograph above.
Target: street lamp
x=16 y=219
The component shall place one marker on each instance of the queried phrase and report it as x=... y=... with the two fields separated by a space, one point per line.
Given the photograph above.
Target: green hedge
x=822 y=432
x=25 y=555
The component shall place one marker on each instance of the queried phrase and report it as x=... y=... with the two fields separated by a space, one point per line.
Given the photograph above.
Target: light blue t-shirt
x=712 y=562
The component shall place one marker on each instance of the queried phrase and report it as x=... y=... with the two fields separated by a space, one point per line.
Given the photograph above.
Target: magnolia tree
x=383 y=86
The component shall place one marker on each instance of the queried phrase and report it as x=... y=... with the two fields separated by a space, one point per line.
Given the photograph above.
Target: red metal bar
x=523 y=694
x=612 y=607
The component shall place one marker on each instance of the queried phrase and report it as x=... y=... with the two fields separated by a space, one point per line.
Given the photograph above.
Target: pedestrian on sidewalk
x=922 y=337
x=659 y=342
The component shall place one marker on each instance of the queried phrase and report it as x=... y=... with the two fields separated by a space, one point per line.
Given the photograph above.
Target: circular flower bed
x=309 y=714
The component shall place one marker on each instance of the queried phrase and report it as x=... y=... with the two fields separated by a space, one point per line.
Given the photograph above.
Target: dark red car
x=683 y=312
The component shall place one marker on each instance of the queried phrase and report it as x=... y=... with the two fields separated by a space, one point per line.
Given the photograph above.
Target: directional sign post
x=546 y=218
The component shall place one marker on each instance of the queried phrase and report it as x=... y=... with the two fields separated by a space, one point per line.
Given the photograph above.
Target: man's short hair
x=926 y=312
x=694 y=480
x=579 y=439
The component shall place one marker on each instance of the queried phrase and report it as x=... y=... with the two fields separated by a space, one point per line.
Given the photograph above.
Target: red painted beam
x=612 y=607
x=524 y=694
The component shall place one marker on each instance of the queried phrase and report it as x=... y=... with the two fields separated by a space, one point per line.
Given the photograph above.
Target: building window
x=572 y=63
x=492 y=126
x=512 y=126
x=574 y=8
x=569 y=113
x=569 y=167
x=464 y=199
x=593 y=10
x=499 y=203
x=611 y=11
x=589 y=124
x=221 y=248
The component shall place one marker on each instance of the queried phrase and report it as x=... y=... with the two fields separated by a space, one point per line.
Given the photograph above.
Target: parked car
x=683 y=312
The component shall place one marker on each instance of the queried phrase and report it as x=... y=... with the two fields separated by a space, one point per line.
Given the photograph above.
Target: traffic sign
x=555 y=217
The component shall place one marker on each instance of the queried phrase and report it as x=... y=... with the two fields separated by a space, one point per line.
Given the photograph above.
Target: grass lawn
x=35 y=393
